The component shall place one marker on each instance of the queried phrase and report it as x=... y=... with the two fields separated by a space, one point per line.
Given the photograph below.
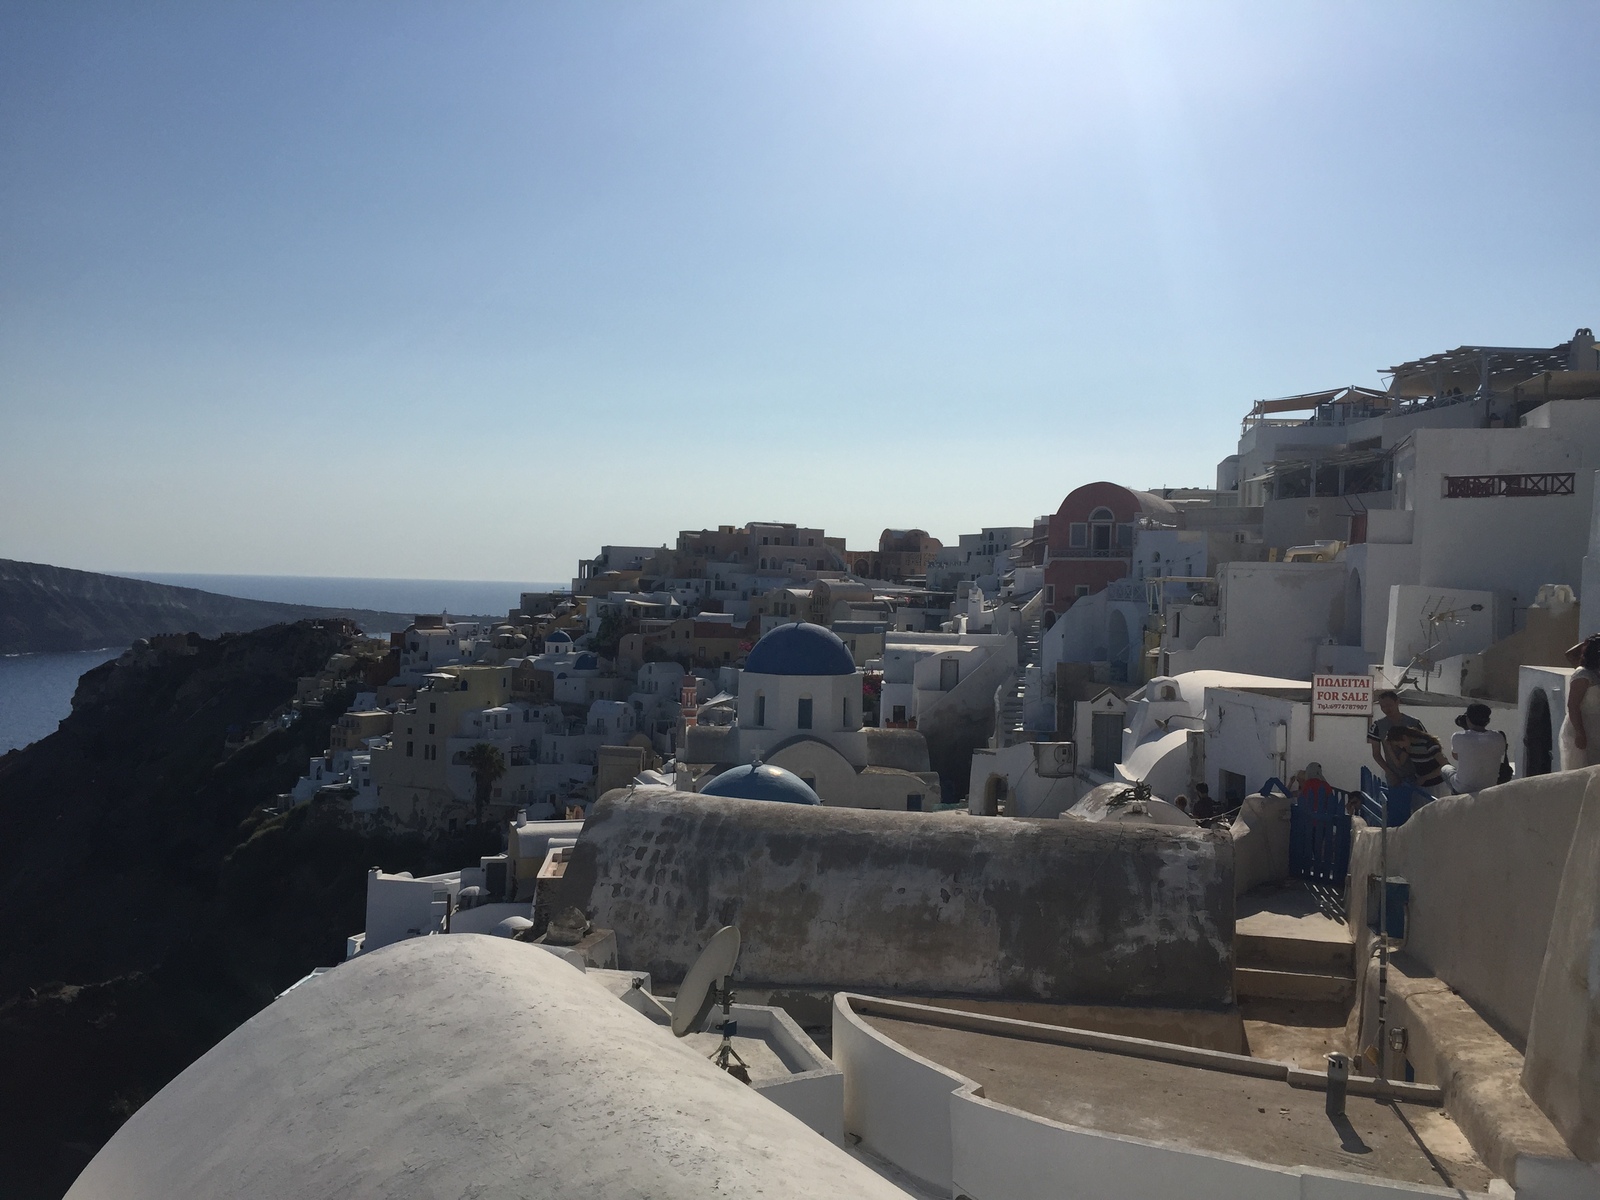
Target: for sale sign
x=1341 y=695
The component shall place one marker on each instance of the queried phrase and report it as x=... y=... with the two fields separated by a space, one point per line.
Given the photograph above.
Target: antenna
x=704 y=986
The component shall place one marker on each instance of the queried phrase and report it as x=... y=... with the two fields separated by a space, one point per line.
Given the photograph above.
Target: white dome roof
x=402 y=1074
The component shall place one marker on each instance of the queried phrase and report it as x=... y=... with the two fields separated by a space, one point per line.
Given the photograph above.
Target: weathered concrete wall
x=930 y=903
x=1484 y=871
x=1562 y=1071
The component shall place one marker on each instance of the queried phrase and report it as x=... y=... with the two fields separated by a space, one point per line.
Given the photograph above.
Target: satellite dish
x=701 y=986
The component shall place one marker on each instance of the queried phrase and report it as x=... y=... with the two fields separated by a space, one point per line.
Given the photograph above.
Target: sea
x=36 y=689
x=36 y=692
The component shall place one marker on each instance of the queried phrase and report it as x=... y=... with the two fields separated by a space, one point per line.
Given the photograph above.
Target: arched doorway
x=1102 y=531
x=1537 y=740
x=994 y=796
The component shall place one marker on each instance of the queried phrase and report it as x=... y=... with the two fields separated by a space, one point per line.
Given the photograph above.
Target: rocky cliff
x=53 y=608
x=150 y=896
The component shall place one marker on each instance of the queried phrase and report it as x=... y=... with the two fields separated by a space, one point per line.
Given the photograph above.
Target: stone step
x=1276 y=953
x=1292 y=985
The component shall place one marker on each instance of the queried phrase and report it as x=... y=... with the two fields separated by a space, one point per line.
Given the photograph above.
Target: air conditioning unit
x=1055 y=760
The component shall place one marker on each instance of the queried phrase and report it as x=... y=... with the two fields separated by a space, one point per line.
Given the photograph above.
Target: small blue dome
x=760 y=781
x=586 y=662
x=556 y=635
x=800 y=649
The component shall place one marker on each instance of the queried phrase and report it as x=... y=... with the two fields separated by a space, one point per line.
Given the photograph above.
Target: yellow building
x=410 y=775
x=355 y=727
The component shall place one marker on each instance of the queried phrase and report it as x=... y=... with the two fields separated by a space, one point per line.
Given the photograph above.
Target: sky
x=466 y=290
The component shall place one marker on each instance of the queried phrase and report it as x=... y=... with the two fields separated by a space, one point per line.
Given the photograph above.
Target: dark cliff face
x=53 y=608
x=150 y=901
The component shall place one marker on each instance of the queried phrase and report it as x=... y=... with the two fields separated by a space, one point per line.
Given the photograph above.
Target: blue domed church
x=799 y=709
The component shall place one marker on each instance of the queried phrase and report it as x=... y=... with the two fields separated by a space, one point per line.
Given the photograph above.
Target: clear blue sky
x=466 y=289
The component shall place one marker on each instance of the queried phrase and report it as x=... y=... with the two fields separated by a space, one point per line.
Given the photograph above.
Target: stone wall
x=926 y=903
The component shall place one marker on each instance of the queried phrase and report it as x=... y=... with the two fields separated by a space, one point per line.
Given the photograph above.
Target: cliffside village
x=1434 y=536
x=1070 y=860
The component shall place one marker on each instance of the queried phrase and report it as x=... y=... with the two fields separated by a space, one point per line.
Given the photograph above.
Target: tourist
x=1416 y=757
x=1478 y=751
x=1182 y=804
x=1204 y=807
x=1378 y=735
x=1581 y=730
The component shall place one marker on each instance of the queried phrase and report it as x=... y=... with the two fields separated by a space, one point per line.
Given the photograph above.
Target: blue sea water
x=36 y=692
x=463 y=597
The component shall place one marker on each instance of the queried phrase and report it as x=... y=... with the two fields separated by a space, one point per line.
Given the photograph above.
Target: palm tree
x=487 y=765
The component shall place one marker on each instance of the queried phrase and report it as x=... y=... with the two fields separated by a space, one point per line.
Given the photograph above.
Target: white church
x=799 y=708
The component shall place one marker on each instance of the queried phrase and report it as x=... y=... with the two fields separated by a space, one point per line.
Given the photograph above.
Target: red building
x=1091 y=539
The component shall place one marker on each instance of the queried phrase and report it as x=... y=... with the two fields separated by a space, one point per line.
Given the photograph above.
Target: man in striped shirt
x=1417 y=757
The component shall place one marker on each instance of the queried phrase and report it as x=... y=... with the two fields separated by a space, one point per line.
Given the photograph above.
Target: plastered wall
x=936 y=903
x=1485 y=872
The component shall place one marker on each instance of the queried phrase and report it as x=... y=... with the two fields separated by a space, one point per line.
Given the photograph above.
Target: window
x=803 y=717
x=761 y=710
x=1080 y=591
x=1079 y=534
x=433 y=706
x=914 y=802
x=430 y=727
x=409 y=747
x=844 y=716
x=899 y=714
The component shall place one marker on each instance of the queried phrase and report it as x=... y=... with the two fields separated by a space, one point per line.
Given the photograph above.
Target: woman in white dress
x=1580 y=732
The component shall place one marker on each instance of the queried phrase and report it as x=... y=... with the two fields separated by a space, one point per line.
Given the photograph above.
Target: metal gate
x=1319 y=834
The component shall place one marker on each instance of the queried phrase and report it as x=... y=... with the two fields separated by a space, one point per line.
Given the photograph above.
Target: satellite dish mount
x=705 y=986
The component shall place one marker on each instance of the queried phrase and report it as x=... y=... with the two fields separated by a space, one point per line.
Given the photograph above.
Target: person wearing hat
x=1478 y=751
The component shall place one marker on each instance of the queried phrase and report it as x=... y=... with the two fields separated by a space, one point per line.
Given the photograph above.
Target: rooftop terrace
x=1212 y=1103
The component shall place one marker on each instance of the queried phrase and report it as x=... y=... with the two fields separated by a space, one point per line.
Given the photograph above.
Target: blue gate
x=1404 y=799
x=1319 y=834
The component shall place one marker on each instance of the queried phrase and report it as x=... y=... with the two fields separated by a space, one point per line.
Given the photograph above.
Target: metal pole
x=1383 y=931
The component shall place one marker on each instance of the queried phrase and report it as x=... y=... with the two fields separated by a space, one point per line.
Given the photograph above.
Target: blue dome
x=800 y=649
x=556 y=635
x=759 y=781
x=586 y=662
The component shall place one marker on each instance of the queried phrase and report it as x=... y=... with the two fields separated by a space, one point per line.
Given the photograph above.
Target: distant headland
x=45 y=608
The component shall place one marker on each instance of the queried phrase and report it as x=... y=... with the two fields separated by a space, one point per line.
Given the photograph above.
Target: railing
x=1402 y=799
x=1090 y=552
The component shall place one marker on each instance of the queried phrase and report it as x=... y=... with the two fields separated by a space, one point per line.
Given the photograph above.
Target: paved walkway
x=1291 y=910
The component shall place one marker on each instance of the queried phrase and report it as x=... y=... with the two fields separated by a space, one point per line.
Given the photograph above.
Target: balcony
x=1078 y=552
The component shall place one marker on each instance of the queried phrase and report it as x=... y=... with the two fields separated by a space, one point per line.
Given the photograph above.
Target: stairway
x=1009 y=718
x=1276 y=967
